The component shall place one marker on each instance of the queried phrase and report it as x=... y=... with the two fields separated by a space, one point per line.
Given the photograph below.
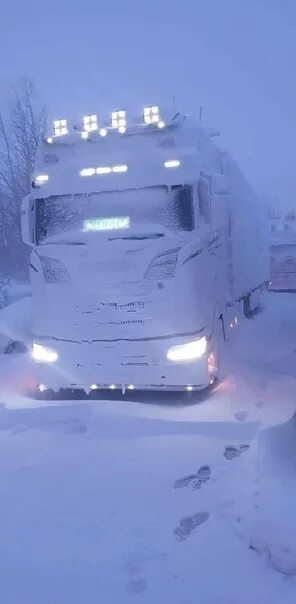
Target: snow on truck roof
x=120 y=156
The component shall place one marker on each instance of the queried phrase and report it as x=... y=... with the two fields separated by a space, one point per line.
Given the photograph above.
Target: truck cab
x=131 y=267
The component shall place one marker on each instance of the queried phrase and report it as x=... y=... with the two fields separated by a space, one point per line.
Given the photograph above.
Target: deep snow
x=178 y=499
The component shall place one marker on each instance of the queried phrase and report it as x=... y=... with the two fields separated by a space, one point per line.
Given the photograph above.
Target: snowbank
x=274 y=529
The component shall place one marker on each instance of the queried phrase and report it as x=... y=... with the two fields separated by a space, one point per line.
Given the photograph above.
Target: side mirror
x=27 y=220
x=218 y=183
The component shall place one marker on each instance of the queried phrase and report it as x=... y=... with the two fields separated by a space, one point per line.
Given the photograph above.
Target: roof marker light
x=172 y=163
x=151 y=115
x=161 y=125
x=122 y=129
x=103 y=132
x=87 y=172
x=118 y=119
x=49 y=140
x=122 y=168
x=90 y=122
x=104 y=170
x=84 y=134
x=60 y=127
x=41 y=178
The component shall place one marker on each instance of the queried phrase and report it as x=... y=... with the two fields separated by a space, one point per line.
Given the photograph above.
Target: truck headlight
x=42 y=354
x=188 y=352
x=53 y=270
x=163 y=266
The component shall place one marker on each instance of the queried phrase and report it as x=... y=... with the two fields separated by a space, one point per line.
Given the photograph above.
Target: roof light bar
x=151 y=115
x=87 y=172
x=118 y=120
x=172 y=163
x=104 y=170
x=90 y=122
x=123 y=168
x=60 y=127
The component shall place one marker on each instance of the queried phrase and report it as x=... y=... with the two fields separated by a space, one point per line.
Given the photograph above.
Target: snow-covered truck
x=148 y=244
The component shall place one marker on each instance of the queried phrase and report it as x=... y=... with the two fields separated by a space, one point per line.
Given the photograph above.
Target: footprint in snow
x=189 y=524
x=203 y=475
x=185 y=482
x=241 y=415
x=19 y=429
x=136 y=586
x=232 y=452
x=195 y=480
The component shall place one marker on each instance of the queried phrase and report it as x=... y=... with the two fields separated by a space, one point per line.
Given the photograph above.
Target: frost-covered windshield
x=131 y=209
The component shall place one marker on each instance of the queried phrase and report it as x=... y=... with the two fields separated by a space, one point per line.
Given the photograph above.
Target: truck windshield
x=128 y=210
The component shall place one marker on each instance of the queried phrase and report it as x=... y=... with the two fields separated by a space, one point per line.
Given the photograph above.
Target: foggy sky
x=234 y=57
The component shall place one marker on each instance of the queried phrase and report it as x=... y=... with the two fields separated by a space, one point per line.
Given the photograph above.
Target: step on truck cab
x=144 y=238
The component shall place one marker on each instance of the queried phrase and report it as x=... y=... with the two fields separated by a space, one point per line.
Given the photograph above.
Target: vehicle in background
x=282 y=241
x=147 y=245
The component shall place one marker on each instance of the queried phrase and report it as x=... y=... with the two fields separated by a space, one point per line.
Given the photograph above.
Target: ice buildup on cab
x=147 y=245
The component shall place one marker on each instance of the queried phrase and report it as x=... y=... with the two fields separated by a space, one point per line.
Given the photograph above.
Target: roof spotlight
x=151 y=115
x=60 y=127
x=118 y=119
x=90 y=122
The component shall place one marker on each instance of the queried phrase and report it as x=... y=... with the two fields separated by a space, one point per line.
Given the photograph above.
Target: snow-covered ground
x=177 y=499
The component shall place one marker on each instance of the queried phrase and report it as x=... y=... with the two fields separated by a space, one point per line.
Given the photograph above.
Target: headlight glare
x=42 y=354
x=188 y=352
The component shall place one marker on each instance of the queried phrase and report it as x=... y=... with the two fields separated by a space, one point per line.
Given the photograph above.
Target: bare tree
x=21 y=130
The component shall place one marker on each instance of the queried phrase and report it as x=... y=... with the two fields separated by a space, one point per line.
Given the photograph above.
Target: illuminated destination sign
x=106 y=224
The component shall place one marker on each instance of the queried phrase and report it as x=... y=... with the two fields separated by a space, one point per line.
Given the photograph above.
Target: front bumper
x=120 y=365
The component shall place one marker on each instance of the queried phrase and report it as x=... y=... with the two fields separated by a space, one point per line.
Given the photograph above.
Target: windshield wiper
x=61 y=242
x=138 y=237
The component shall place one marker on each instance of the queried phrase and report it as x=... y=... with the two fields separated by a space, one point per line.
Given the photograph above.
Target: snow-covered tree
x=21 y=128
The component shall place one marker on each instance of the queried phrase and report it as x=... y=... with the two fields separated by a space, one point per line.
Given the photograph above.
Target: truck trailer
x=148 y=244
